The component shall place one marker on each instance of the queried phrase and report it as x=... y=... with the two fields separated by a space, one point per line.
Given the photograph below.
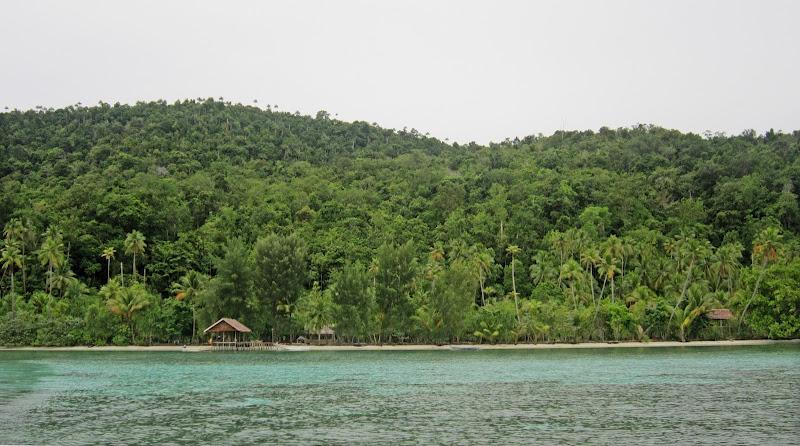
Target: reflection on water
x=730 y=395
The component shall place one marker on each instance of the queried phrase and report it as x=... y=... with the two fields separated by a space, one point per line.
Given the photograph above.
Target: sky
x=463 y=70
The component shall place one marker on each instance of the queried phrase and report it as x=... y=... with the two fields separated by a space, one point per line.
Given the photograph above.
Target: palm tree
x=483 y=263
x=135 y=244
x=766 y=249
x=614 y=248
x=608 y=269
x=11 y=257
x=725 y=264
x=698 y=301
x=108 y=254
x=435 y=264
x=688 y=248
x=513 y=250
x=571 y=272
x=63 y=278
x=17 y=231
x=590 y=258
x=125 y=302
x=316 y=310
x=558 y=243
x=542 y=267
x=374 y=269
x=186 y=289
x=51 y=254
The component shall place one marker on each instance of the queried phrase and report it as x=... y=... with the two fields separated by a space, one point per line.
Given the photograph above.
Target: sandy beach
x=417 y=347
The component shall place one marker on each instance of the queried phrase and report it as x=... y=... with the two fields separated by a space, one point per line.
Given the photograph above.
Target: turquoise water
x=726 y=395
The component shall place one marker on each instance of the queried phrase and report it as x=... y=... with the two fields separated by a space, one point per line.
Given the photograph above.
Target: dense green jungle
x=143 y=224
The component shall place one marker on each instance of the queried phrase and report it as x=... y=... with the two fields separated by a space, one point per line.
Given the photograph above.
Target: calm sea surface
x=726 y=395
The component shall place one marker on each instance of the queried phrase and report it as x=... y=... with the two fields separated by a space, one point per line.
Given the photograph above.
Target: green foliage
x=395 y=271
x=315 y=310
x=229 y=293
x=776 y=308
x=279 y=273
x=145 y=223
x=354 y=297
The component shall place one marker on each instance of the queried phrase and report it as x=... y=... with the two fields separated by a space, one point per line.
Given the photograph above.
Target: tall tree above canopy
x=135 y=243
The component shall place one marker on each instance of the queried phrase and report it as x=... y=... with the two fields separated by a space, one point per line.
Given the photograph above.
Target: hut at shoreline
x=230 y=334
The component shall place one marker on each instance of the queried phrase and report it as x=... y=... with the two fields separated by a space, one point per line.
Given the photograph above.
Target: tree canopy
x=126 y=223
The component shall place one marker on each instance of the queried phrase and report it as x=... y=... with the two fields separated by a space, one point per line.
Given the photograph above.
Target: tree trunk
x=24 y=278
x=603 y=288
x=612 y=289
x=514 y=289
x=574 y=299
x=755 y=291
x=194 y=319
x=483 y=299
x=683 y=291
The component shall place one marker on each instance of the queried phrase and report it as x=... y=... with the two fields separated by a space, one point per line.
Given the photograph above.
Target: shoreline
x=422 y=347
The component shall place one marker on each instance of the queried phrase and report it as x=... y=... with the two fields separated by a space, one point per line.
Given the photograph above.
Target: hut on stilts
x=230 y=334
x=720 y=314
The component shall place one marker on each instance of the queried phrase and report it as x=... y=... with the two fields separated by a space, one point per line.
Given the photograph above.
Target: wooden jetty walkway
x=245 y=346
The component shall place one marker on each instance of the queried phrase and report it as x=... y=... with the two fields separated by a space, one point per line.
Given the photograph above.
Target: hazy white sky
x=463 y=70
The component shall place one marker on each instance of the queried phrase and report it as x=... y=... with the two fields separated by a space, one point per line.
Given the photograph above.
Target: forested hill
x=584 y=235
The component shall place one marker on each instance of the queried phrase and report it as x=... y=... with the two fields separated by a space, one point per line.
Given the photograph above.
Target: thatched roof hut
x=326 y=331
x=227 y=325
x=719 y=314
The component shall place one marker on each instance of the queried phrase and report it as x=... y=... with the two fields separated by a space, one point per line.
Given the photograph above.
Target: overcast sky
x=463 y=70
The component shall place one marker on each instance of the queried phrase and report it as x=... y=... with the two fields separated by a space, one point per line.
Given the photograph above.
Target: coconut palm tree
x=614 y=248
x=63 y=278
x=20 y=233
x=608 y=269
x=435 y=264
x=11 y=258
x=51 y=254
x=186 y=289
x=571 y=272
x=484 y=261
x=766 y=250
x=698 y=302
x=125 y=302
x=135 y=244
x=374 y=269
x=543 y=267
x=108 y=254
x=725 y=264
x=589 y=258
x=513 y=251
x=692 y=251
x=43 y=302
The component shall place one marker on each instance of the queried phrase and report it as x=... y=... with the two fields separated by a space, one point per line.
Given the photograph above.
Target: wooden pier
x=245 y=346
x=231 y=335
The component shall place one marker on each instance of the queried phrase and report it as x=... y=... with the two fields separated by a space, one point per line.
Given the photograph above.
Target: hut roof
x=721 y=314
x=326 y=330
x=227 y=324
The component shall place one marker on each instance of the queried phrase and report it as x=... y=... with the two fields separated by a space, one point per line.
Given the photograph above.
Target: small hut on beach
x=326 y=335
x=230 y=331
x=720 y=314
